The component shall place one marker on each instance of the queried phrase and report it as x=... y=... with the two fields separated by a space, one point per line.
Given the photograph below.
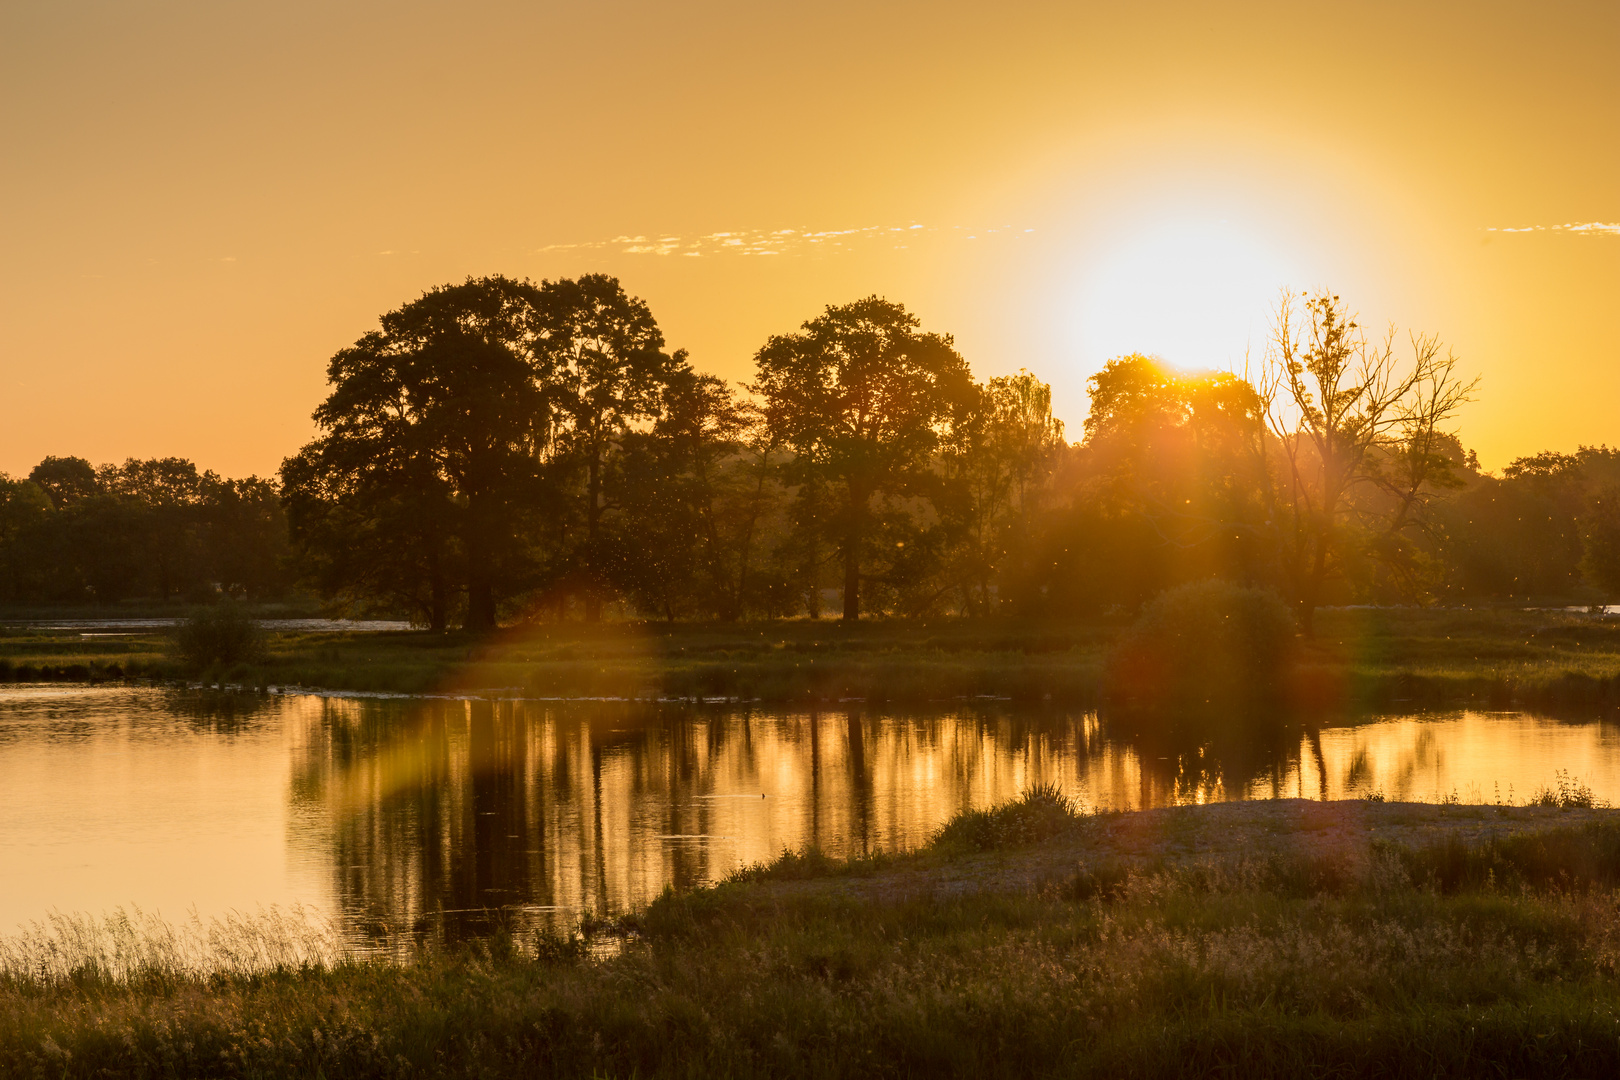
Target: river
x=398 y=816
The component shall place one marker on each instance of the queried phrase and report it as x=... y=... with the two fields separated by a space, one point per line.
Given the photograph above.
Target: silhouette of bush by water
x=220 y=636
x=1040 y=813
x=1203 y=646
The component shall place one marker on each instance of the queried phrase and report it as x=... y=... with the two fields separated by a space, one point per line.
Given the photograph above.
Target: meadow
x=1377 y=658
x=1257 y=939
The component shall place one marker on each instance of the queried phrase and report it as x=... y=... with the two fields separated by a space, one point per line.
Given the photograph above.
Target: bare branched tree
x=1347 y=412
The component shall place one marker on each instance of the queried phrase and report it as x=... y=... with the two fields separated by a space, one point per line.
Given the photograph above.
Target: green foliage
x=430 y=454
x=863 y=398
x=157 y=528
x=220 y=636
x=1206 y=645
x=1600 y=538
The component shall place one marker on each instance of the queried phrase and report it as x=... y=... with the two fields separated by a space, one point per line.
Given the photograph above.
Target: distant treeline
x=501 y=450
x=71 y=533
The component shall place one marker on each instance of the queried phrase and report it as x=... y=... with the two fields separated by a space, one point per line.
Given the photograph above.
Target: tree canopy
x=863 y=398
x=500 y=450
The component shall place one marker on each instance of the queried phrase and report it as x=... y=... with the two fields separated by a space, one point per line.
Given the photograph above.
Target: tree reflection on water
x=445 y=814
x=429 y=816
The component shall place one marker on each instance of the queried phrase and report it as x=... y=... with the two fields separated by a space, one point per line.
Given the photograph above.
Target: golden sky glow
x=199 y=203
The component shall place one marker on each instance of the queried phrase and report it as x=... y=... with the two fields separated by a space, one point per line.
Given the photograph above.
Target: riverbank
x=1260 y=939
x=1360 y=658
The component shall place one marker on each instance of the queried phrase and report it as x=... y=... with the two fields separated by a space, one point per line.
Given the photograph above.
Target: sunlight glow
x=1197 y=293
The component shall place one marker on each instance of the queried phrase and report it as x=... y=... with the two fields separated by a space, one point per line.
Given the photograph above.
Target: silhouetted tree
x=1346 y=413
x=65 y=479
x=1600 y=534
x=168 y=492
x=245 y=536
x=434 y=429
x=599 y=354
x=25 y=509
x=998 y=465
x=1540 y=530
x=862 y=398
x=155 y=528
x=1166 y=487
x=697 y=487
x=101 y=543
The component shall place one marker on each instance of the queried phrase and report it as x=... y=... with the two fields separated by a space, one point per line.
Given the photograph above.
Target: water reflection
x=421 y=816
x=439 y=812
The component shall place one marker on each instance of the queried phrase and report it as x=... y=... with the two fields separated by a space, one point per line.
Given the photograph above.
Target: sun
x=1198 y=293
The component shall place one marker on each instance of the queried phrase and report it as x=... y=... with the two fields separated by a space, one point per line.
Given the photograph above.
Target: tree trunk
x=852 y=577
x=739 y=593
x=480 y=585
x=593 y=513
x=480 y=600
x=438 y=600
x=852 y=553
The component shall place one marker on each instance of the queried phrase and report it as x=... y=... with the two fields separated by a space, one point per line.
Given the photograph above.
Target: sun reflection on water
x=410 y=816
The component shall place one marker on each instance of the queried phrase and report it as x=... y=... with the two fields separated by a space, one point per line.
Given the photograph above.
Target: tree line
x=72 y=533
x=501 y=450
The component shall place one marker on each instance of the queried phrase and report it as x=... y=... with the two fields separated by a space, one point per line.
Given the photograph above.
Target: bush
x=220 y=637
x=1208 y=645
x=1040 y=813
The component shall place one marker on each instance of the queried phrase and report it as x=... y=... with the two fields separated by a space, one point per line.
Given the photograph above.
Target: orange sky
x=199 y=203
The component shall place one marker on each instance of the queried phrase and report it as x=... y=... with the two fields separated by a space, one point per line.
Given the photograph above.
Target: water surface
x=422 y=814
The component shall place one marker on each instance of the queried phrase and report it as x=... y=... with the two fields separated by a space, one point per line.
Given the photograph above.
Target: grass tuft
x=1040 y=813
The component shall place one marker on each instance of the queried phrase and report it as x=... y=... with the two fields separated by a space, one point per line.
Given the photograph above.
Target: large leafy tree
x=431 y=452
x=169 y=493
x=244 y=535
x=699 y=486
x=600 y=355
x=863 y=397
x=65 y=480
x=999 y=464
x=1166 y=486
x=25 y=509
x=1187 y=452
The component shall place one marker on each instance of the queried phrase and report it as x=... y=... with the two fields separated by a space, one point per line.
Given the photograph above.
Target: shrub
x=1204 y=646
x=1041 y=812
x=220 y=637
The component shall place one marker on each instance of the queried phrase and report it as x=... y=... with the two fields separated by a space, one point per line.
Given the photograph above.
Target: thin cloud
x=1590 y=228
x=777 y=242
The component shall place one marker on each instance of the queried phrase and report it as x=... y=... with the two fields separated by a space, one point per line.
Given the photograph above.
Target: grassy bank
x=1360 y=658
x=1271 y=939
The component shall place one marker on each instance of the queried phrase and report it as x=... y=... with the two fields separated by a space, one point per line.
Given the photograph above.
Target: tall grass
x=131 y=946
x=1454 y=958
